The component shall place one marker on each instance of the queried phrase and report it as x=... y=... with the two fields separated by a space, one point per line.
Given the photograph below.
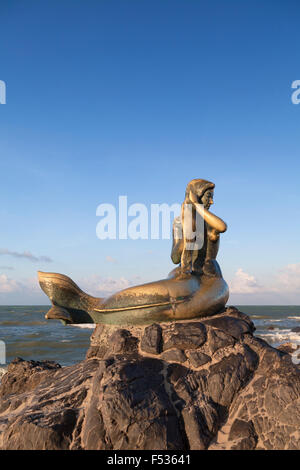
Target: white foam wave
x=294 y=318
x=266 y=319
x=281 y=336
x=84 y=325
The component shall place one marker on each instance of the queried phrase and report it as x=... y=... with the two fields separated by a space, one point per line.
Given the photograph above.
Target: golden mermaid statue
x=195 y=288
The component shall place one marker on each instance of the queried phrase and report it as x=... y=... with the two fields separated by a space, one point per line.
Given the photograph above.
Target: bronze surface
x=195 y=288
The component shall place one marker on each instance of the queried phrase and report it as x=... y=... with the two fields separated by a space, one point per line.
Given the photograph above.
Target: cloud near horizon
x=110 y=259
x=100 y=286
x=244 y=283
x=285 y=285
x=94 y=285
x=289 y=278
x=25 y=255
x=8 y=285
x=286 y=282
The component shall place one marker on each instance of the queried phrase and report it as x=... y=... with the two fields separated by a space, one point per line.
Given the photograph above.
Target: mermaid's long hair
x=200 y=185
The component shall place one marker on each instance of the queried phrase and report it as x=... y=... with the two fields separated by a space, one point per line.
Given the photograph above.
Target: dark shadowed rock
x=201 y=384
x=45 y=413
x=107 y=341
x=197 y=358
x=184 y=335
x=122 y=341
x=229 y=325
x=218 y=339
x=134 y=399
x=244 y=435
x=152 y=339
x=25 y=375
x=174 y=355
x=228 y=376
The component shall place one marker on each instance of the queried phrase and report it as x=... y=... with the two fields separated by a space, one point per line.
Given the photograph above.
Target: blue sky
x=137 y=97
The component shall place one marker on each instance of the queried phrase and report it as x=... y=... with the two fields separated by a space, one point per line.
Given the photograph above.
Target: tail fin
x=70 y=303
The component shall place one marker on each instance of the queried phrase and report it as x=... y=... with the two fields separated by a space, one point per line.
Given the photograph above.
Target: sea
x=25 y=333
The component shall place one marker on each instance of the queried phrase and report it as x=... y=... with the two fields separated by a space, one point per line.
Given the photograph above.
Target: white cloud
x=26 y=255
x=26 y=286
x=97 y=286
x=288 y=278
x=281 y=287
x=8 y=285
x=110 y=259
x=30 y=284
x=100 y=286
x=244 y=283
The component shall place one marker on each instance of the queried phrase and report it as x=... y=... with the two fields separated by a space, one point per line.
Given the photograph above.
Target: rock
x=152 y=339
x=45 y=413
x=200 y=384
x=174 y=355
x=230 y=375
x=296 y=329
x=24 y=375
x=218 y=339
x=186 y=335
x=244 y=435
x=197 y=358
x=287 y=348
x=107 y=341
x=230 y=325
x=122 y=341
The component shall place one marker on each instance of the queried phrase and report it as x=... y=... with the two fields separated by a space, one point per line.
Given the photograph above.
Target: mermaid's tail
x=177 y=297
x=70 y=303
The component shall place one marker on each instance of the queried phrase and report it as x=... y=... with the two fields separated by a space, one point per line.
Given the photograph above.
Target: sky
x=137 y=97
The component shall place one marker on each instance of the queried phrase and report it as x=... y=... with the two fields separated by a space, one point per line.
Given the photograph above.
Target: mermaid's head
x=202 y=190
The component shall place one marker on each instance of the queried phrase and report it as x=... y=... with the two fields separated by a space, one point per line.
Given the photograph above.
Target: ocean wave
x=294 y=318
x=84 y=325
x=22 y=323
x=270 y=323
x=278 y=336
x=267 y=317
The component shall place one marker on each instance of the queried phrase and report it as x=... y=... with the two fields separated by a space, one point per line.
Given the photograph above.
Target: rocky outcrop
x=197 y=384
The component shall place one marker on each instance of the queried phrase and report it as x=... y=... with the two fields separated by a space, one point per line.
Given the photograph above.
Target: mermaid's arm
x=213 y=220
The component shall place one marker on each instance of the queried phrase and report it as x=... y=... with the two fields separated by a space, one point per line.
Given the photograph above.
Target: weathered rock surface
x=198 y=384
x=288 y=348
